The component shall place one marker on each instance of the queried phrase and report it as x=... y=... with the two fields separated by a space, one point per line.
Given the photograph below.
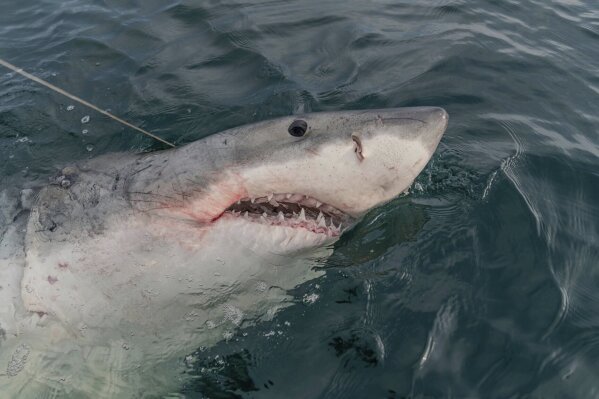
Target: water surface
x=482 y=282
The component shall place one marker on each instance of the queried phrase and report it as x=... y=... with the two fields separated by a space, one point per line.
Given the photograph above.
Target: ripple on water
x=481 y=282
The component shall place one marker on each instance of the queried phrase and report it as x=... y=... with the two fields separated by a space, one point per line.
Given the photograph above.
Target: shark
x=122 y=264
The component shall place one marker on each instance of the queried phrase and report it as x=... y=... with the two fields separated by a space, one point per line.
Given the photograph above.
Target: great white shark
x=125 y=263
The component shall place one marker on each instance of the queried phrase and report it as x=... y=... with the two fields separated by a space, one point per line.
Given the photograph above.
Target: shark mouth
x=292 y=210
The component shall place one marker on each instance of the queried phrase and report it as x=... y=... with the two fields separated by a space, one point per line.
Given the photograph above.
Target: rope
x=81 y=101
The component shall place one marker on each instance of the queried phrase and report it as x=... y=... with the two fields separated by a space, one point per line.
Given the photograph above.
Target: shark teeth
x=322 y=223
x=302 y=215
x=319 y=217
x=290 y=210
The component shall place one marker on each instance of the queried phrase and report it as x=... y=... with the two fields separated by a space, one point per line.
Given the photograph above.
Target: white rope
x=81 y=101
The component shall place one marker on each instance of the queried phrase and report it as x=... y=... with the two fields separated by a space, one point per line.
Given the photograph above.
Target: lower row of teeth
x=301 y=217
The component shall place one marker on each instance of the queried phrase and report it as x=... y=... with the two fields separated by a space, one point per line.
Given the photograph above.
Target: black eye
x=298 y=128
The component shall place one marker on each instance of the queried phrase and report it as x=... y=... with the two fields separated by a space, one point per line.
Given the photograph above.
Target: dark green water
x=483 y=282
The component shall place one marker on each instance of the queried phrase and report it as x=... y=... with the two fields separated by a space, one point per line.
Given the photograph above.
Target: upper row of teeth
x=270 y=199
x=300 y=199
x=320 y=219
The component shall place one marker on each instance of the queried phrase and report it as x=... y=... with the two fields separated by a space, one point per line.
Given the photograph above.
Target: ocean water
x=483 y=282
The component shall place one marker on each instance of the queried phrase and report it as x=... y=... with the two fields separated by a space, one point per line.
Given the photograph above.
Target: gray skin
x=133 y=260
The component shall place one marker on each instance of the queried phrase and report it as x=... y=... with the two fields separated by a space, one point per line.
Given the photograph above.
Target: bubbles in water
x=85 y=119
x=84 y=131
x=189 y=360
x=89 y=147
x=70 y=107
x=309 y=299
x=233 y=314
x=23 y=139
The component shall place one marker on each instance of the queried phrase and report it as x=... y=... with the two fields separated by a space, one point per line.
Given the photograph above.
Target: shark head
x=298 y=182
x=167 y=251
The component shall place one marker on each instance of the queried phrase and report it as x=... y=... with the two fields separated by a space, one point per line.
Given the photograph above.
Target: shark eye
x=298 y=128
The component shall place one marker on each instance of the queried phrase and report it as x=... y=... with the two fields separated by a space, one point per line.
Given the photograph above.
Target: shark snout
x=427 y=123
x=436 y=120
x=393 y=152
x=423 y=125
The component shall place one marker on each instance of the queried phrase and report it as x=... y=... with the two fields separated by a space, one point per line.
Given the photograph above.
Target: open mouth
x=292 y=210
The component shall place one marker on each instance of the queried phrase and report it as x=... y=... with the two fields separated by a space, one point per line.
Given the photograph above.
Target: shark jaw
x=291 y=210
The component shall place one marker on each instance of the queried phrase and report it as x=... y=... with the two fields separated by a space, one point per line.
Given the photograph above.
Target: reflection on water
x=481 y=282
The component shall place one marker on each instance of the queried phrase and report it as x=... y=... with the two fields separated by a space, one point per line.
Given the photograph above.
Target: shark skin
x=125 y=263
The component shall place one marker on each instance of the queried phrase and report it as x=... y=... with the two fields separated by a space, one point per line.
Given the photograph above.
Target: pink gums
x=209 y=204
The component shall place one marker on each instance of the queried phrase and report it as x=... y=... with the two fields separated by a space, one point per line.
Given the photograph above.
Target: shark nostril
x=357 y=147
